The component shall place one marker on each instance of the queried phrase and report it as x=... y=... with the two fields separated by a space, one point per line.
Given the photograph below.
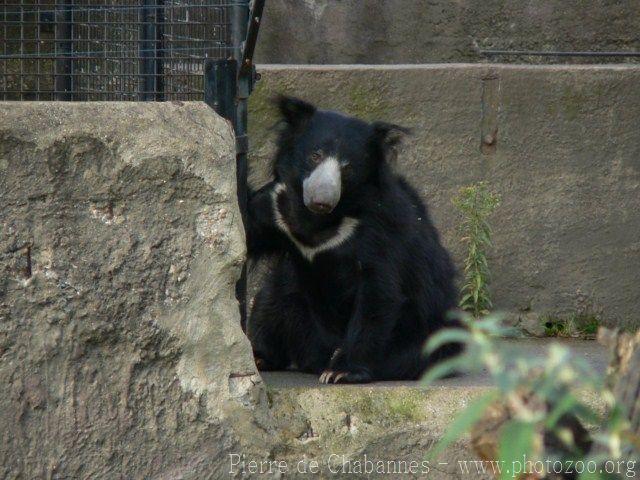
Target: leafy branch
x=537 y=408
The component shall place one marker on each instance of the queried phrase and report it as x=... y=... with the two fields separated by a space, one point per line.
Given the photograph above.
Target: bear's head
x=330 y=160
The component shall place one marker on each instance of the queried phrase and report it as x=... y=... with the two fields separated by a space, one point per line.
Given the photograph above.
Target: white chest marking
x=345 y=230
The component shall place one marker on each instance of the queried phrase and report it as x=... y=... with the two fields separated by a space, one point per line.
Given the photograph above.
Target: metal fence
x=112 y=49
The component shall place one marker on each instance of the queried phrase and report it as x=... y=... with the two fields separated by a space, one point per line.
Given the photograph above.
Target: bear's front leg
x=263 y=236
x=377 y=309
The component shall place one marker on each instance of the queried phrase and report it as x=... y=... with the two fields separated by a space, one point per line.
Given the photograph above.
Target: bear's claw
x=337 y=376
x=331 y=376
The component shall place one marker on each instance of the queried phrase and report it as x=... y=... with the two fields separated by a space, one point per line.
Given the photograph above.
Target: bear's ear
x=388 y=136
x=294 y=111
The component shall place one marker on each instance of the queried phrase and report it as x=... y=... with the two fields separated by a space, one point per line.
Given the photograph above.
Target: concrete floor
x=595 y=354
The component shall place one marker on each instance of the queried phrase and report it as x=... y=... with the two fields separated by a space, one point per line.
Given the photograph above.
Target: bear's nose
x=319 y=207
x=321 y=189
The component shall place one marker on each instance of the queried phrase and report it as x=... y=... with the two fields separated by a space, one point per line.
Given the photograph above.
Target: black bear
x=361 y=279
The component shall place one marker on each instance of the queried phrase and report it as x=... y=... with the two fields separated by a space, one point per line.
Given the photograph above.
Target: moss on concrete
x=366 y=101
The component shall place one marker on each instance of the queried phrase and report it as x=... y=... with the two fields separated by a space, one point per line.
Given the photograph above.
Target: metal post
x=255 y=17
x=63 y=82
x=228 y=84
x=147 y=51
x=220 y=87
x=239 y=26
x=159 y=63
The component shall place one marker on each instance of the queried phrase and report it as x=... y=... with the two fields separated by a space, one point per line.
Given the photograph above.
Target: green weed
x=476 y=203
x=573 y=325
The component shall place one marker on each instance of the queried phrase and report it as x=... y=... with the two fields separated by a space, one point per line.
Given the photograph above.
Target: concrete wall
x=417 y=31
x=121 y=354
x=566 y=163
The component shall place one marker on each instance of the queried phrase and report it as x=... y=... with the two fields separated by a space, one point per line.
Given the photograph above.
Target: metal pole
x=239 y=26
x=228 y=84
x=220 y=87
x=63 y=82
x=159 y=60
x=147 y=51
x=255 y=17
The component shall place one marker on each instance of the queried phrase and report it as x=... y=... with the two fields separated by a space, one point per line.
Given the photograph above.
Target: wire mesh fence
x=88 y=50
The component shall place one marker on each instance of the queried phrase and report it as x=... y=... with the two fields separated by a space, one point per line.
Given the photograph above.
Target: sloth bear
x=361 y=279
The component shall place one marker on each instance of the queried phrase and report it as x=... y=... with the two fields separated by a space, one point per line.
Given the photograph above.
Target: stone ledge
x=396 y=421
x=589 y=350
x=270 y=67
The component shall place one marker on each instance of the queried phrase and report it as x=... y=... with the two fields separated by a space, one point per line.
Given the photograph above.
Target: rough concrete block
x=121 y=354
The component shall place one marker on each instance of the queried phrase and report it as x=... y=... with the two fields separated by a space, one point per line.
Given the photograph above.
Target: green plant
x=574 y=325
x=542 y=399
x=587 y=324
x=476 y=203
x=556 y=327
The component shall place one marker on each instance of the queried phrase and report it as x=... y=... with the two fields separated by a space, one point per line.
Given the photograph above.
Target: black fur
x=362 y=310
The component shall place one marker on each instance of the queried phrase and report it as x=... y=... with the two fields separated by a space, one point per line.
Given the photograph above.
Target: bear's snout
x=321 y=189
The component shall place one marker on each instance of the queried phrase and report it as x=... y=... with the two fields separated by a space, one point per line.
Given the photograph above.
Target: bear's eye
x=316 y=156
